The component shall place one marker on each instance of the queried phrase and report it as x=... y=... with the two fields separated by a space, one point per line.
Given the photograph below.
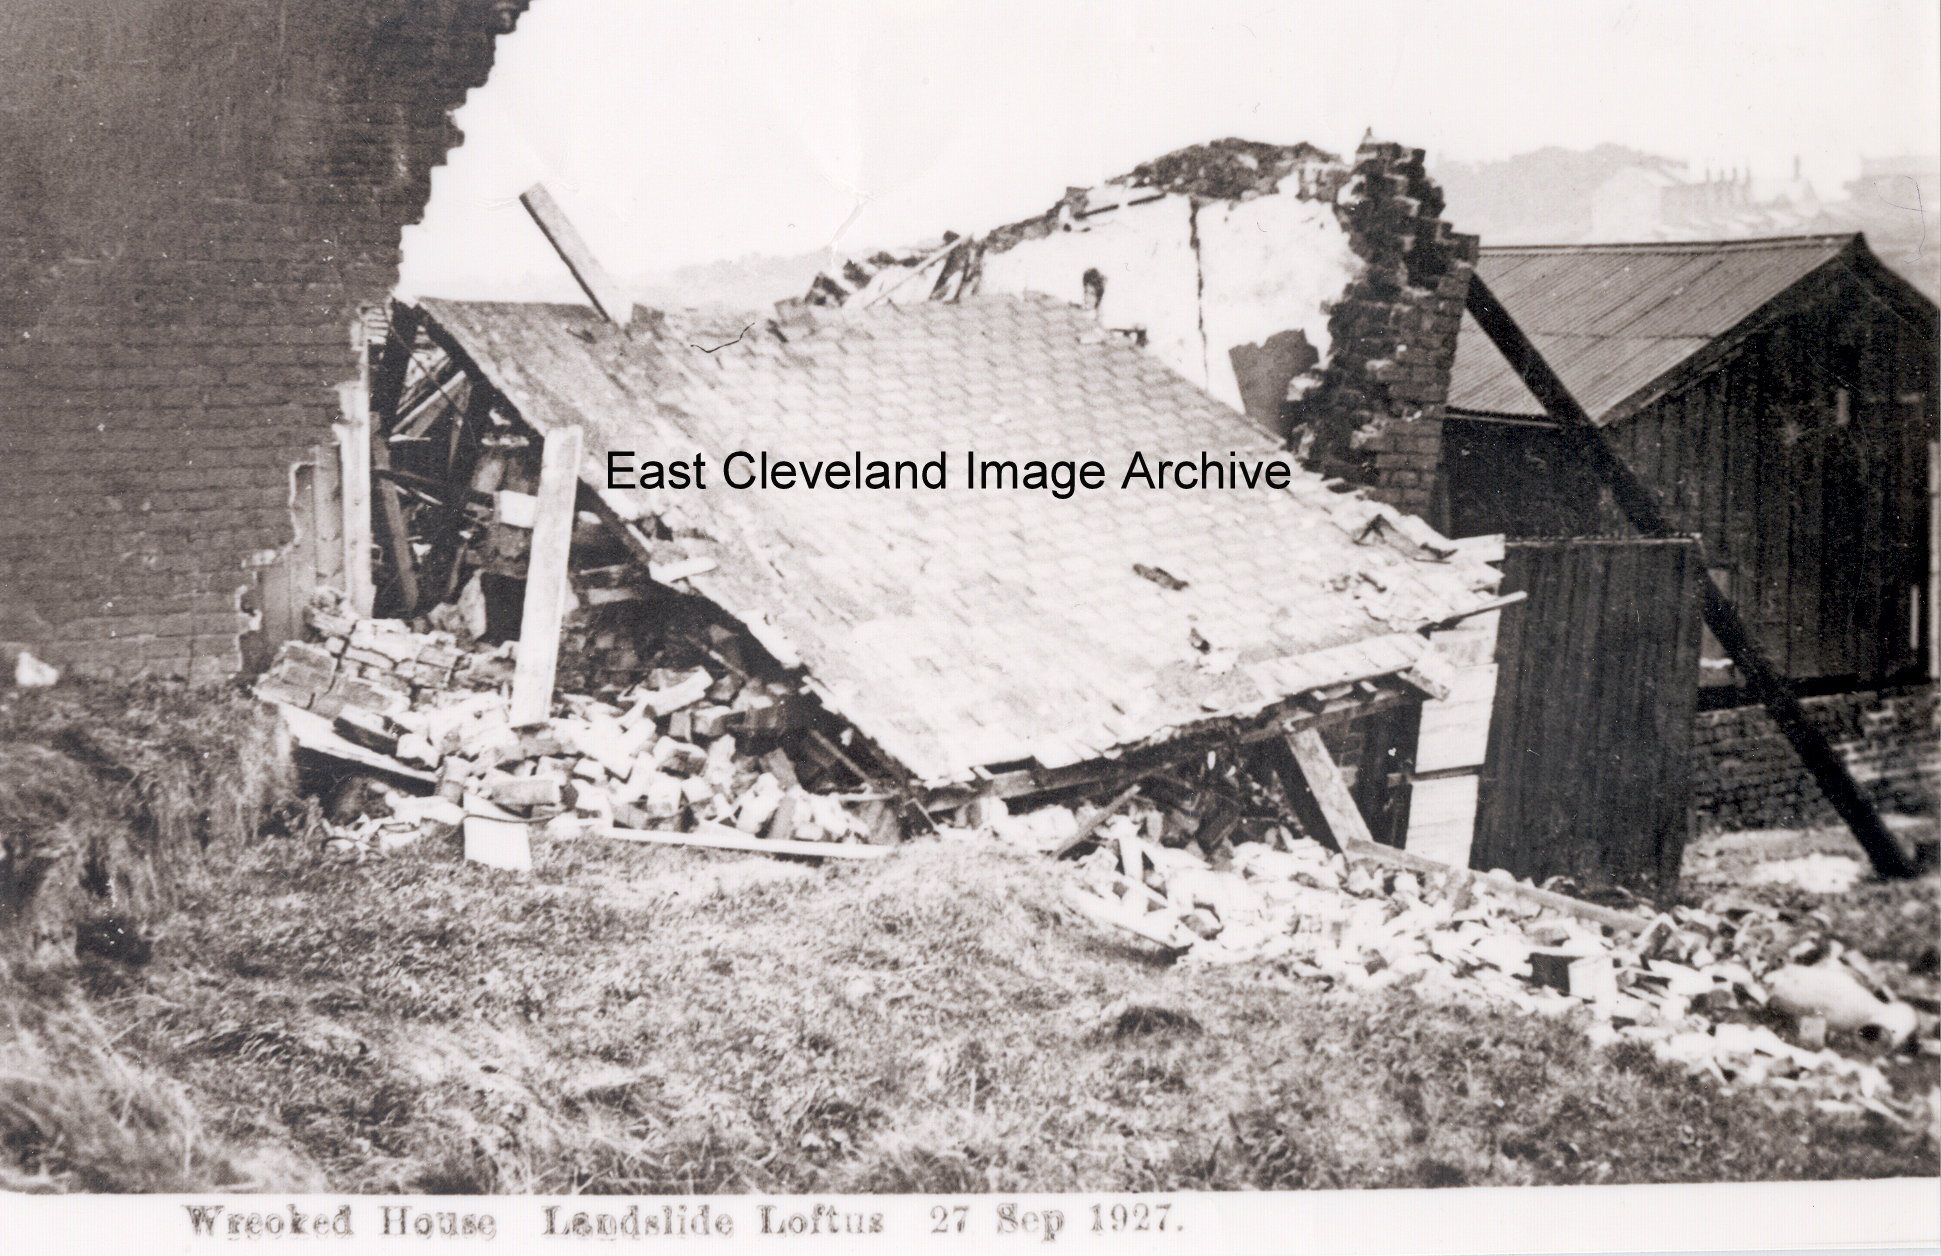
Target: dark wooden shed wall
x=1802 y=462
x=1814 y=507
x=1589 y=770
x=1518 y=479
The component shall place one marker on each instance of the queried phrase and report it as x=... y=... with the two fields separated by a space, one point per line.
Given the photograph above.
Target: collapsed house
x=977 y=637
x=982 y=642
x=960 y=631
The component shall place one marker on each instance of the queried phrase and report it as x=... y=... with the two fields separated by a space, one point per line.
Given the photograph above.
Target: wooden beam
x=313 y=732
x=721 y=837
x=1333 y=802
x=552 y=538
x=1934 y=560
x=606 y=295
x=1619 y=921
x=354 y=456
x=628 y=532
x=1162 y=928
x=831 y=748
x=444 y=492
x=444 y=564
x=393 y=364
x=1640 y=505
x=397 y=536
x=1091 y=826
x=1481 y=608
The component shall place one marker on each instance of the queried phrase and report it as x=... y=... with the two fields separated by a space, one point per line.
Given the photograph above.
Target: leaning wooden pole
x=1640 y=506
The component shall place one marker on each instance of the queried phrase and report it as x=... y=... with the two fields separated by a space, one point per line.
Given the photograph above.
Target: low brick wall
x=1746 y=776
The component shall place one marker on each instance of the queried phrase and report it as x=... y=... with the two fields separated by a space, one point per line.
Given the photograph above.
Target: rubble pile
x=1752 y=995
x=681 y=747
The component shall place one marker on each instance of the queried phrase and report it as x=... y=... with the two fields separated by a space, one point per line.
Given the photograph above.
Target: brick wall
x=196 y=196
x=1746 y=776
x=1376 y=417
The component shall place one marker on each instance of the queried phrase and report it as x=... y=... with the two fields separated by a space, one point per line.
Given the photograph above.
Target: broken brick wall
x=196 y=198
x=1375 y=416
x=1321 y=297
x=1746 y=775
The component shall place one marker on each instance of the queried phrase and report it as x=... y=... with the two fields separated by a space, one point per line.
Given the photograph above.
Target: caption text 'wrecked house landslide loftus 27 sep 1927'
x=1061 y=478
x=675 y=1220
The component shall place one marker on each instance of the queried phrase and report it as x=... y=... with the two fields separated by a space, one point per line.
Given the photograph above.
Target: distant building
x=1910 y=181
x=1653 y=203
x=1897 y=202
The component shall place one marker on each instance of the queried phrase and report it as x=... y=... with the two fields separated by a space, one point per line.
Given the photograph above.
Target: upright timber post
x=1933 y=590
x=385 y=386
x=1640 y=506
x=354 y=455
x=552 y=538
x=559 y=480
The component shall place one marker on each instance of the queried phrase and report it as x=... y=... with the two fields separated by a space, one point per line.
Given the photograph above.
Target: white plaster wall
x=1152 y=280
x=1272 y=264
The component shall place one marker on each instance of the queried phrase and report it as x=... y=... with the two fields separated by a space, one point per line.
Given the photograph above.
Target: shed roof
x=1613 y=320
x=961 y=629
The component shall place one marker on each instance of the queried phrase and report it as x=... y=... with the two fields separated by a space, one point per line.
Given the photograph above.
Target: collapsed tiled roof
x=962 y=629
x=1614 y=319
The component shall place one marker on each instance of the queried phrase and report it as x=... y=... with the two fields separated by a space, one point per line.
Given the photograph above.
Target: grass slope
x=634 y=1019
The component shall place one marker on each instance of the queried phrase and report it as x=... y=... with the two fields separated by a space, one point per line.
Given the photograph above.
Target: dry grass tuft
x=112 y=796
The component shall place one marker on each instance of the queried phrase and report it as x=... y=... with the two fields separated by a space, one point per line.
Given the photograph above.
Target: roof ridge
x=1743 y=244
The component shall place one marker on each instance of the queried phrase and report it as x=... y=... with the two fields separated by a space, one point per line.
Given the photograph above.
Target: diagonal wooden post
x=1327 y=806
x=552 y=538
x=606 y=295
x=1640 y=506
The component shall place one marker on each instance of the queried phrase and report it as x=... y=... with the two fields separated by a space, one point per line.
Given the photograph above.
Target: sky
x=681 y=134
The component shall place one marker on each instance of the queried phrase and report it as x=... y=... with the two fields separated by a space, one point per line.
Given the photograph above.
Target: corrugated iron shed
x=1613 y=320
x=961 y=629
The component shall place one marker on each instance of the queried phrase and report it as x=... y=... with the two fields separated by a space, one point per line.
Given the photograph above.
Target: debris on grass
x=1711 y=988
x=696 y=743
x=695 y=738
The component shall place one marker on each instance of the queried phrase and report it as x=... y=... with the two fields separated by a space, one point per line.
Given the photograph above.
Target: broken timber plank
x=313 y=732
x=1619 y=921
x=1166 y=930
x=1091 y=826
x=354 y=457
x=393 y=364
x=397 y=536
x=1640 y=506
x=606 y=295
x=1331 y=797
x=721 y=837
x=1481 y=608
x=823 y=740
x=552 y=537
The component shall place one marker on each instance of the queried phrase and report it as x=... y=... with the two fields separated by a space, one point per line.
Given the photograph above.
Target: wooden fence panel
x=1589 y=750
